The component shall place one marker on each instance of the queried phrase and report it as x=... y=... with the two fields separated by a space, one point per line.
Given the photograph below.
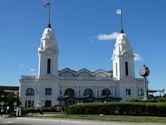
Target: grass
x=147 y=119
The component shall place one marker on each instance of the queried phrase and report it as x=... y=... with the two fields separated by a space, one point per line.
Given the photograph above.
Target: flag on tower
x=46 y=5
x=119 y=11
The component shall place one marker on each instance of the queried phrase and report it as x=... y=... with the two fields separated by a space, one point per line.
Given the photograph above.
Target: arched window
x=106 y=92
x=69 y=92
x=47 y=103
x=88 y=92
x=29 y=92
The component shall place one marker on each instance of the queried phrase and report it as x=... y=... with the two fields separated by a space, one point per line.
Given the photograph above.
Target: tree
x=164 y=95
x=8 y=99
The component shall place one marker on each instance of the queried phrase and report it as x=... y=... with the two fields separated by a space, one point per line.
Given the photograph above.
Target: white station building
x=52 y=87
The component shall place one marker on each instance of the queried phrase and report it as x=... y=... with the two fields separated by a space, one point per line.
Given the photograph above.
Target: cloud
x=137 y=57
x=105 y=37
x=32 y=70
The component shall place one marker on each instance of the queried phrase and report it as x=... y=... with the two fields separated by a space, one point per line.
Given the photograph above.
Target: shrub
x=12 y=114
x=161 y=100
x=129 y=108
x=49 y=109
x=38 y=110
x=149 y=100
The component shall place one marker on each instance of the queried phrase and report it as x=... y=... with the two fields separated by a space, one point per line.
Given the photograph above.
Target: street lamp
x=144 y=72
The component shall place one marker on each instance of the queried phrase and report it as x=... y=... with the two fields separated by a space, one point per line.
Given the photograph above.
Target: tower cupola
x=123 y=58
x=48 y=54
x=48 y=41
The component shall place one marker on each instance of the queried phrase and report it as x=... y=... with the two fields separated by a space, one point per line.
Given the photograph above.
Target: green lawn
x=112 y=118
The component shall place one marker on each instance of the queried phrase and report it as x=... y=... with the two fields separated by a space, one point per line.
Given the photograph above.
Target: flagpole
x=49 y=11
x=121 y=21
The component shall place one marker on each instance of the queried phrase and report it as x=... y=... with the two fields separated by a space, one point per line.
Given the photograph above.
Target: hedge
x=119 y=108
x=149 y=100
x=38 y=110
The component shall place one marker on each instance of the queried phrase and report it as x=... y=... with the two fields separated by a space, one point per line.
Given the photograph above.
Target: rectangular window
x=140 y=92
x=49 y=66
x=48 y=91
x=126 y=68
x=128 y=91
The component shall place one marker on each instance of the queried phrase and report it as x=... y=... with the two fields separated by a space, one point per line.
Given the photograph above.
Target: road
x=35 y=121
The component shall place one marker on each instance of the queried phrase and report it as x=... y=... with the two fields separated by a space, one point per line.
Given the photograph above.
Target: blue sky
x=77 y=25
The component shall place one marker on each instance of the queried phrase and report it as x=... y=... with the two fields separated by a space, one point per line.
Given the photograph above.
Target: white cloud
x=137 y=57
x=105 y=37
x=32 y=70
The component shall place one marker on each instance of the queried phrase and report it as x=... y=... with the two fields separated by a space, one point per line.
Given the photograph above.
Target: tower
x=123 y=58
x=48 y=54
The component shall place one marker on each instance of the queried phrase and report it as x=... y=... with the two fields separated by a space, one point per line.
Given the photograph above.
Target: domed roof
x=48 y=34
x=48 y=41
x=121 y=38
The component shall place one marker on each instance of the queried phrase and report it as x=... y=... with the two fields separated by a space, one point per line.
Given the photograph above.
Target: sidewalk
x=66 y=121
x=4 y=116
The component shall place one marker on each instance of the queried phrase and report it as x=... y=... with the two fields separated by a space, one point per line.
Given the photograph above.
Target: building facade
x=53 y=87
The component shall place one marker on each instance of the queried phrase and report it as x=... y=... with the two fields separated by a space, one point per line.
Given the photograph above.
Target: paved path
x=39 y=121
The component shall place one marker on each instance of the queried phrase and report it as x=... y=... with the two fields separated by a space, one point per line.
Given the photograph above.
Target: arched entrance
x=88 y=94
x=69 y=95
x=106 y=92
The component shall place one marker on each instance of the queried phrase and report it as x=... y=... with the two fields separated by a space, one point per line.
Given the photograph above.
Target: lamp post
x=144 y=72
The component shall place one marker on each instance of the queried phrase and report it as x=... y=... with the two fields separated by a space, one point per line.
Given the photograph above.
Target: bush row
x=130 y=108
x=149 y=100
x=38 y=110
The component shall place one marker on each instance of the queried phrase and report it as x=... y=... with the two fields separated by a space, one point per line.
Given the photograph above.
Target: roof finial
x=119 y=12
x=48 y=5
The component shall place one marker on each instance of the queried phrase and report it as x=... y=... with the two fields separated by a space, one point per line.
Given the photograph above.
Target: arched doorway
x=106 y=92
x=88 y=94
x=69 y=92
x=69 y=95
